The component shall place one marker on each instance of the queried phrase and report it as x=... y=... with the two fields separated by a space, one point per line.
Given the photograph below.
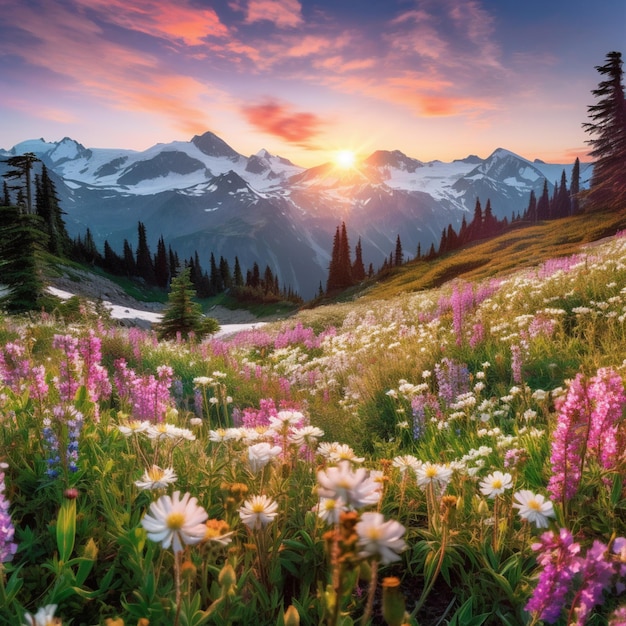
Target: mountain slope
x=202 y=195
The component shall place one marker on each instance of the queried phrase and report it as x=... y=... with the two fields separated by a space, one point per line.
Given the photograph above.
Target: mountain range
x=202 y=195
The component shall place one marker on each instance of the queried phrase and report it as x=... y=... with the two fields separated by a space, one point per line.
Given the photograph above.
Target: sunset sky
x=436 y=79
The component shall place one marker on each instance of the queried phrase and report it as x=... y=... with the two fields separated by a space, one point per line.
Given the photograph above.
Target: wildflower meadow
x=453 y=456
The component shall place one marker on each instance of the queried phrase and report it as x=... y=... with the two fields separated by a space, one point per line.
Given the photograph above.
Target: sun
x=344 y=159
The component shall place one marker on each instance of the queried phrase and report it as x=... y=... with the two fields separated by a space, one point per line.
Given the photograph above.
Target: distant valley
x=202 y=195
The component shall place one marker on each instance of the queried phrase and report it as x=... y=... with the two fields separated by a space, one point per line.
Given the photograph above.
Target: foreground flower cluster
x=467 y=443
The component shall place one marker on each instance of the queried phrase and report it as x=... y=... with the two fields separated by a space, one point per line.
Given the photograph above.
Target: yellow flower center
x=175 y=520
x=534 y=505
x=497 y=484
x=155 y=473
x=258 y=507
x=431 y=472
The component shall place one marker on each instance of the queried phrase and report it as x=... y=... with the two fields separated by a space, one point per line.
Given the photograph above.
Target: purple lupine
x=74 y=421
x=452 y=379
x=418 y=406
x=14 y=367
x=8 y=547
x=51 y=446
x=95 y=376
x=607 y=393
x=478 y=334
x=557 y=555
x=596 y=573
x=461 y=301
x=69 y=366
x=569 y=441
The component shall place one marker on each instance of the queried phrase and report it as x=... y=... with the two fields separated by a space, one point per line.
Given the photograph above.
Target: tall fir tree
x=47 y=207
x=161 y=265
x=22 y=239
x=358 y=268
x=543 y=204
x=399 y=254
x=574 y=187
x=145 y=266
x=237 y=274
x=608 y=126
x=22 y=170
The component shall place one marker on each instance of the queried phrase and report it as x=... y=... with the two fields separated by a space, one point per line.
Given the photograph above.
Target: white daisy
x=176 y=522
x=533 y=507
x=496 y=484
x=379 y=538
x=156 y=478
x=43 y=617
x=356 y=488
x=260 y=454
x=433 y=473
x=258 y=512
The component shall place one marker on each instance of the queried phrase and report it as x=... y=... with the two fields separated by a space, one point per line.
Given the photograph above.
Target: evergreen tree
x=463 y=232
x=255 y=276
x=574 y=187
x=182 y=314
x=562 y=203
x=608 y=124
x=22 y=238
x=112 y=262
x=268 y=280
x=6 y=196
x=22 y=170
x=452 y=238
x=418 y=254
x=475 y=228
x=443 y=242
x=345 y=263
x=161 y=265
x=490 y=222
x=332 y=283
x=225 y=275
x=130 y=265
x=531 y=211
x=145 y=267
x=543 y=204
x=237 y=275
x=47 y=207
x=174 y=261
x=358 y=268
x=399 y=256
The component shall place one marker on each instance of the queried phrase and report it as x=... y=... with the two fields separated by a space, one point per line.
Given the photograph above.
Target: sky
x=307 y=79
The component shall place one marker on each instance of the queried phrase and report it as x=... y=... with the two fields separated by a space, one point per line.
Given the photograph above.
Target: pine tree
x=574 y=187
x=6 y=196
x=562 y=204
x=22 y=170
x=345 y=263
x=145 y=267
x=161 y=265
x=608 y=124
x=543 y=204
x=130 y=265
x=475 y=228
x=183 y=315
x=399 y=256
x=225 y=275
x=358 y=268
x=47 y=207
x=237 y=275
x=22 y=238
x=531 y=211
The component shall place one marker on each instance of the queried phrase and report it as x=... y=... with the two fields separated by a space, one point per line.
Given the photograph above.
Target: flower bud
x=393 y=601
x=291 y=616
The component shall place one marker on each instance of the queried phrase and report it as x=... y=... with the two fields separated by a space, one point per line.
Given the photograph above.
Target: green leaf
x=66 y=529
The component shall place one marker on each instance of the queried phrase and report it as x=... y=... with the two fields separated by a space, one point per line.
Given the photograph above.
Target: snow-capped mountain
x=203 y=195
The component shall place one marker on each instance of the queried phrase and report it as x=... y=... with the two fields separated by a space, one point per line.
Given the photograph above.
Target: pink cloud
x=278 y=119
x=173 y=21
x=283 y=13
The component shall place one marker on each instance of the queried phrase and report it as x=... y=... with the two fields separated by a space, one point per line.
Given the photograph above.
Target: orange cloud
x=283 y=13
x=173 y=21
x=274 y=118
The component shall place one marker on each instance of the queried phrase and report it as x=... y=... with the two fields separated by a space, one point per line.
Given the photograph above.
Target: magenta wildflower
x=8 y=547
x=557 y=555
x=596 y=574
x=69 y=366
x=569 y=441
x=607 y=394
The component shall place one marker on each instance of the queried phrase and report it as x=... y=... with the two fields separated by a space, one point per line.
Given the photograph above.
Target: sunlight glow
x=345 y=159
